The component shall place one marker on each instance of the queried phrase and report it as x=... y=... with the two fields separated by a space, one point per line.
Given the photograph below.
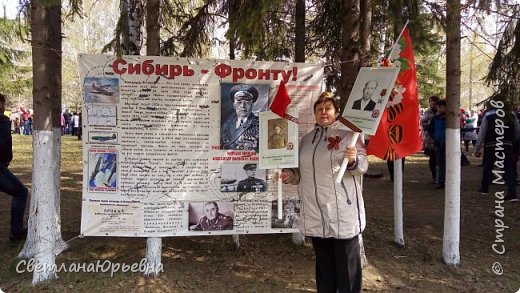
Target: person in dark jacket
x=428 y=145
x=9 y=183
x=497 y=135
x=438 y=132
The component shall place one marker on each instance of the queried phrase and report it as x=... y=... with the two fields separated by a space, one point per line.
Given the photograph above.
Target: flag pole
x=397 y=40
x=280 y=203
x=357 y=131
x=279 y=106
x=398 y=176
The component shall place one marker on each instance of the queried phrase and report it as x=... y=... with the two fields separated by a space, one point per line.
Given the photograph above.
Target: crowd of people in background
x=22 y=122
x=479 y=129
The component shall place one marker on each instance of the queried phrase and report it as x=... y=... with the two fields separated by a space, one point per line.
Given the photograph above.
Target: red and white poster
x=171 y=146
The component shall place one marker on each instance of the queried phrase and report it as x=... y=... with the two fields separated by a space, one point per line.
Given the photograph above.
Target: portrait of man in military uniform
x=251 y=183
x=277 y=134
x=213 y=220
x=240 y=127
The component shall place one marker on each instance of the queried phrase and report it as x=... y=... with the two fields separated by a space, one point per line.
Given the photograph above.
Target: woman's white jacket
x=329 y=209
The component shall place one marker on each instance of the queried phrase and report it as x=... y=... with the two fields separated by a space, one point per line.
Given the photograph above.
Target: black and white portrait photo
x=240 y=105
x=366 y=102
x=277 y=134
x=291 y=214
x=211 y=216
x=242 y=178
x=370 y=93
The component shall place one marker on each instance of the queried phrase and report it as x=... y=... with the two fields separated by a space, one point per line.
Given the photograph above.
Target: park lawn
x=270 y=263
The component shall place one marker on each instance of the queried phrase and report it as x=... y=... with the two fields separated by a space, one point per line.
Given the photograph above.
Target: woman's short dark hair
x=441 y=103
x=326 y=97
x=434 y=99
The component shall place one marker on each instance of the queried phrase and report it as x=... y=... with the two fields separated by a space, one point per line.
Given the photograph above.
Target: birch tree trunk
x=44 y=240
x=451 y=237
x=132 y=22
x=153 y=43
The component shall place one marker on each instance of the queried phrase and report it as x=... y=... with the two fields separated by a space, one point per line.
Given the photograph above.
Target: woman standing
x=332 y=214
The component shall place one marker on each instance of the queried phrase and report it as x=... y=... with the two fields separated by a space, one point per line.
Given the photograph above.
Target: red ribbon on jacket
x=334 y=142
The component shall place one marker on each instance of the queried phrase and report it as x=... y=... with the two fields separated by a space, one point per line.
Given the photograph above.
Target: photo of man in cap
x=239 y=131
x=251 y=183
x=277 y=138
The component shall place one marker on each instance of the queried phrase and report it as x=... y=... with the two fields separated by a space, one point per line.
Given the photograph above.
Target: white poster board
x=157 y=158
x=369 y=96
x=279 y=142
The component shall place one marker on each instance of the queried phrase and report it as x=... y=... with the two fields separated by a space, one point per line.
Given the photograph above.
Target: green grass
x=71 y=150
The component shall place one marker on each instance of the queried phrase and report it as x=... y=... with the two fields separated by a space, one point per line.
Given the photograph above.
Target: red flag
x=281 y=101
x=398 y=133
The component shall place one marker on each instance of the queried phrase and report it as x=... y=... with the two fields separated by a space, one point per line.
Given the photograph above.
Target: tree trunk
x=451 y=235
x=396 y=8
x=299 y=32
x=132 y=21
x=354 y=28
x=44 y=240
x=153 y=43
x=366 y=29
x=234 y=6
x=351 y=49
x=299 y=56
x=153 y=26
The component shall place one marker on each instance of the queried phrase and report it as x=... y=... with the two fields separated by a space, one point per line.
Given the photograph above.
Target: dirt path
x=270 y=263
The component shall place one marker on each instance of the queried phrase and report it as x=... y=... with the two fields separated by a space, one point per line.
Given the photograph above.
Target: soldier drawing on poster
x=369 y=96
x=240 y=105
x=102 y=170
x=211 y=216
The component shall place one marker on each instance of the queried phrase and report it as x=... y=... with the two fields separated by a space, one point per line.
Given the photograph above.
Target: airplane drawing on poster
x=102 y=137
x=101 y=90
